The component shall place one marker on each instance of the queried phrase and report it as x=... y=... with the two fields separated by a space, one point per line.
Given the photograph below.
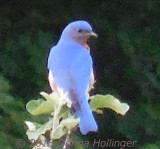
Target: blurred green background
x=126 y=59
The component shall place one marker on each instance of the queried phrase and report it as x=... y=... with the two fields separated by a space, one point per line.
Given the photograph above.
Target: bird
x=70 y=67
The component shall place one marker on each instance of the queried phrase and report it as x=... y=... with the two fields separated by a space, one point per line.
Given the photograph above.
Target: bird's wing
x=80 y=72
x=71 y=69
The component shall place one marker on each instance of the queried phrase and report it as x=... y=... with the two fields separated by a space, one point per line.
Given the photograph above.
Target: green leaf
x=31 y=126
x=40 y=106
x=59 y=132
x=35 y=132
x=108 y=101
x=64 y=113
x=51 y=98
x=68 y=123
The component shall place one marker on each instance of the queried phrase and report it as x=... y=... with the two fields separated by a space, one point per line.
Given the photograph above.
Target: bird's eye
x=80 y=30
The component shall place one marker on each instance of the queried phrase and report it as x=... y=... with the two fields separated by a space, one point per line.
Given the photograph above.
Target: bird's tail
x=87 y=121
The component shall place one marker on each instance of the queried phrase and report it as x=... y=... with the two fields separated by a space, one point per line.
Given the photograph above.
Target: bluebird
x=71 y=68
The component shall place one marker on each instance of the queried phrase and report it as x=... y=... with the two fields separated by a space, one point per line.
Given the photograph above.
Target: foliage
x=62 y=121
x=12 y=116
x=108 y=101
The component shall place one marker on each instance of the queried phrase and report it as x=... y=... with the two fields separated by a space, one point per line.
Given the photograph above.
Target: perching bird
x=70 y=68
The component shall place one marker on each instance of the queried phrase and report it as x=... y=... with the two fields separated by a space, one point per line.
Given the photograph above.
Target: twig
x=56 y=116
x=63 y=97
x=67 y=142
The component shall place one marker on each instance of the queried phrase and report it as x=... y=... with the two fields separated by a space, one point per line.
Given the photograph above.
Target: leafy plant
x=61 y=121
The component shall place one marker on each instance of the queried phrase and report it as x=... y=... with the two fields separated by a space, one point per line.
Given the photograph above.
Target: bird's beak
x=88 y=33
x=91 y=33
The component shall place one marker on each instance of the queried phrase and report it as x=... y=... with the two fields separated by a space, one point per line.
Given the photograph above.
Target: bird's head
x=79 y=31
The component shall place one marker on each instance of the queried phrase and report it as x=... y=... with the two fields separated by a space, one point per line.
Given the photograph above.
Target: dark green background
x=126 y=59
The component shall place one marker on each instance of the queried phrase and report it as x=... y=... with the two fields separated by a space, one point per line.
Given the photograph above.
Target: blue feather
x=71 y=66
